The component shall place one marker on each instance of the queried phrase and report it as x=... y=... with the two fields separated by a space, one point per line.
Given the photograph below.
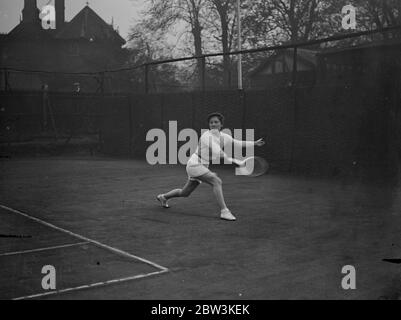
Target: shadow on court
x=292 y=238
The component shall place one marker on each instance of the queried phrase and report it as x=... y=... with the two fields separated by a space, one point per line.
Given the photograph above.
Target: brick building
x=85 y=44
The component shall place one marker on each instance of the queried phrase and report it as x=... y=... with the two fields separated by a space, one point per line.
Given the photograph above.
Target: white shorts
x=195 y=169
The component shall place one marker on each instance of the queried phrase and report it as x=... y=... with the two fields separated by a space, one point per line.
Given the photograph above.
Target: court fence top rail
x=100 y=75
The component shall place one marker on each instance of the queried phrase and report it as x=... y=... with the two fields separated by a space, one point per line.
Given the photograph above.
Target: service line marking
x=97 y=243
x=94 y=285
x=43 y=249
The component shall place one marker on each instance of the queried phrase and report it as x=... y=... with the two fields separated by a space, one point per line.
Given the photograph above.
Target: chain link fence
x=335 y=111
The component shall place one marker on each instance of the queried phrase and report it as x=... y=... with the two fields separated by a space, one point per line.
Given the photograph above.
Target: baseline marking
x=97 y=243
x=94 y=285
x=43 y=249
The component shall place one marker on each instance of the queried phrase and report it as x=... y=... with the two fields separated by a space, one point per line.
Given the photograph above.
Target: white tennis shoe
x=227 y=215
x=163 y=201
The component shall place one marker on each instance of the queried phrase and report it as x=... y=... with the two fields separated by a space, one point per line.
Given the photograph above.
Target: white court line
x=42 y=249
x=94 y=285
x=97 y=243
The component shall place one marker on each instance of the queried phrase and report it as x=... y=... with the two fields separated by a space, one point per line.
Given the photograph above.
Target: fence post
x=100 y=80
x=203 y=74
x=295 y=115
x=193 y=110
x=102 y=83
x=45 y=89
x=146 y=78
x=162 y=111
x=130 y=126
x=6 y=81
x=243 y=105
x=295 y=67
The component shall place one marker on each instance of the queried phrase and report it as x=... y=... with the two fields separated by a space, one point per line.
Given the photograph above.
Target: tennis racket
x=251 y=167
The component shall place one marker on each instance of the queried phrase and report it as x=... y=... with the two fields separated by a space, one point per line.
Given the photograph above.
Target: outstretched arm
x=243 y=144
x=215 y=149
x=247 y=144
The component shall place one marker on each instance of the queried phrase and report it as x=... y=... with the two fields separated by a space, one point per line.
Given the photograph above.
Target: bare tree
x=162 y=15
x=222 y=24
x=278 y=21
x=379 y=14
x=146 y=46
x=296 y=18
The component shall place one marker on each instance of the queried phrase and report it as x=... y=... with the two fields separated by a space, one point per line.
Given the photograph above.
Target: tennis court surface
x=97 y=222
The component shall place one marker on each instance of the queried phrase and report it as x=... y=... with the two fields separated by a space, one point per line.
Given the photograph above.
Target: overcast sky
x=125 y=12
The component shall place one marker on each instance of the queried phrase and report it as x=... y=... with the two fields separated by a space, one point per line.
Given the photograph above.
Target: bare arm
x=246 y=144
x=243 y=144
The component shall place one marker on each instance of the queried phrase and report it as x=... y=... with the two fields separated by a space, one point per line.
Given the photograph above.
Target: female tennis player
x=209 y=149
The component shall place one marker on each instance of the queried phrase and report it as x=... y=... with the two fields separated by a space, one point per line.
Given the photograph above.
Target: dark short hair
x=216 y=114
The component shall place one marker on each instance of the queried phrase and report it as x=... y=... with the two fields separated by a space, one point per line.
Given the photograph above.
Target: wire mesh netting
x=334 y=109
x=328 y=61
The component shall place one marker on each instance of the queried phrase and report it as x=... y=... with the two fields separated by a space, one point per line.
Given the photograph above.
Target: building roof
x=28 y=31
x=307 y=56
x=88 y=25
x=378 y=44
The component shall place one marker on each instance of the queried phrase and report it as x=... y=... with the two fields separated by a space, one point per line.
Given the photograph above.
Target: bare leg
x=213 y=180
x=186 y=191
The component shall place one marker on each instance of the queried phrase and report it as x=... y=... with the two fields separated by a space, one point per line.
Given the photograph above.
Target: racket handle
x=237 y=162
x=234 y=161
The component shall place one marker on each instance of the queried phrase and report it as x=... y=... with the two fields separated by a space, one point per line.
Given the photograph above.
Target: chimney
x=30 y=13
x=60 y=13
